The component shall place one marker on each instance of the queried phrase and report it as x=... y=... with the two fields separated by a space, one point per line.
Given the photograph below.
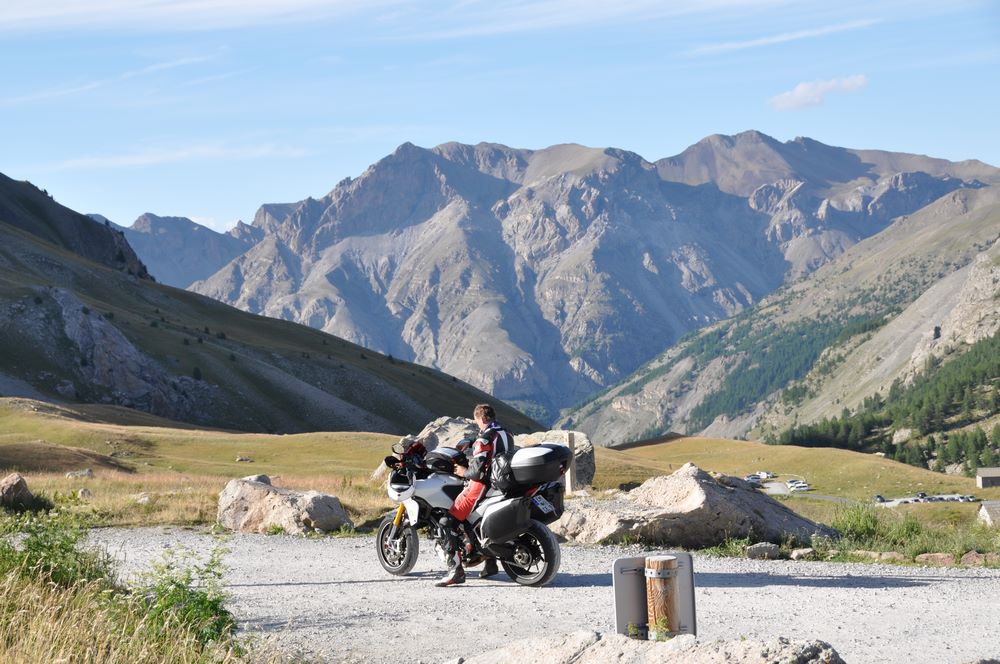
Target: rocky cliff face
x=545 y=276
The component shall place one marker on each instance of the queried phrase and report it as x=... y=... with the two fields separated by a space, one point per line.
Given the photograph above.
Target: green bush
x=179 y=589
x=49 y=549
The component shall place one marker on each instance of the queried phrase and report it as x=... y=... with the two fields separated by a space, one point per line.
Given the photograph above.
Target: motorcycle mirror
x=391 y=461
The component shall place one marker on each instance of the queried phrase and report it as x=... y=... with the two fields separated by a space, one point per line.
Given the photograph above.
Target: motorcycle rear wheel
x=540 y=556
x=398 y=555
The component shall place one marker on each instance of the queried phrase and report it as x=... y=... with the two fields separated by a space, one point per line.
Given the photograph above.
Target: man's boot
x=456 y=573
x=490 y=568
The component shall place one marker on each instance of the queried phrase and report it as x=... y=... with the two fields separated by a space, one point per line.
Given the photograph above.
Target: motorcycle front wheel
x=399 y=554
x=536 y=557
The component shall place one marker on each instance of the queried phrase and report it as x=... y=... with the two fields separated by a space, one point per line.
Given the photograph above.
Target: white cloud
x=813 y=93
x=206 y=152
x=782 y=38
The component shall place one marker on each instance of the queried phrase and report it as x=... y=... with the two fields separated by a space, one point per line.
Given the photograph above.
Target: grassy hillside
x=178 y=354
x=180 y=467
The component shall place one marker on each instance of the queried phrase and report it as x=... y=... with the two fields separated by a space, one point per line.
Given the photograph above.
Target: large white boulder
x=689 y=508
x=252 y=505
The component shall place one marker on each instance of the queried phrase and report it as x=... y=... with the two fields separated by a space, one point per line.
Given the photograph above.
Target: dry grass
x=41 y=622
x=187 y=499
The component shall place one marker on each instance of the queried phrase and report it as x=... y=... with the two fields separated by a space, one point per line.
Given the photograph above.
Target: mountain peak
x=152 y=223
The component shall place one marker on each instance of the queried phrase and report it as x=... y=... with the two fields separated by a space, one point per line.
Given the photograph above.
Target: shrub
x=49 y=550
x=180 y=589
x=857 y=522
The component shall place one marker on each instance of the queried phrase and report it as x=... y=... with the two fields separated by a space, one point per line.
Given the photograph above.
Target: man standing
x=493 y=439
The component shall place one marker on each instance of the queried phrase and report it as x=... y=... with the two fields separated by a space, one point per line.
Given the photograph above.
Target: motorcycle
x=510 y=525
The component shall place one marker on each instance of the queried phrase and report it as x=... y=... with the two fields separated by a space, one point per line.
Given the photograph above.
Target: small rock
x=976 y=559
x=243 y=459
x=263 y=479
x=803 y=554
x=861 y=553
x=938 y=559
x=144 y=498
x=893 y=557
x=84 y=494
x=85 y=474
x=763 y=551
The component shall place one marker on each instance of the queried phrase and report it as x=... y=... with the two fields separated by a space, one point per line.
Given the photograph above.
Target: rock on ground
x=586 y=647
x=763 y=551
x=252 y=505
x=689 y=508
x=14 y=492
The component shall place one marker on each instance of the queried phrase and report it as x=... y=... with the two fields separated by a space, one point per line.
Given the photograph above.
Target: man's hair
x=484 y=410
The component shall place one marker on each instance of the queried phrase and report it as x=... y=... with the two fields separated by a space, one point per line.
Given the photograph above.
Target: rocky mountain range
x=80 y=321
x=179 y=251
x=546 y=276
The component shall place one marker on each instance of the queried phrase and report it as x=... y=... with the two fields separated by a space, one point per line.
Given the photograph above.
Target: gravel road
x=329 y=598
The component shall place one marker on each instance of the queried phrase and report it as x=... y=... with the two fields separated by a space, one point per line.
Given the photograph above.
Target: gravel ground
x=330 y=599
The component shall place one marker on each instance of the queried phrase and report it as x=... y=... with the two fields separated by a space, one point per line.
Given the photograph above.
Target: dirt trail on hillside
x=330 y=599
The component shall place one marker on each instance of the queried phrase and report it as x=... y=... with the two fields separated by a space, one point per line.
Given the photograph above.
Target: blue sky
x=209 y=108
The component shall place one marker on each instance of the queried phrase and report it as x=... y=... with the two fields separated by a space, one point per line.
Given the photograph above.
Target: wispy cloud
x=479 y=18
x=186 y=15
x=400 y=18
x=783 y=38
x=78 y=88
x=204 y=152
x=813 y=93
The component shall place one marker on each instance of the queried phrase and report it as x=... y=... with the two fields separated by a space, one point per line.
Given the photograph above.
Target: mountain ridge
x=538 y=274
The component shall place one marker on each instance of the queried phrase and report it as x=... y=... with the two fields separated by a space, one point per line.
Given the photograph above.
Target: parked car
x=921 y=494
x=765 y=474
x=970 y=499
x=879 y=498
x=752 y=477
x=792 y=483
x=800 y=487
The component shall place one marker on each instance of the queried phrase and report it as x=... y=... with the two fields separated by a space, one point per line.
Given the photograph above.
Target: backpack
x=501 y=472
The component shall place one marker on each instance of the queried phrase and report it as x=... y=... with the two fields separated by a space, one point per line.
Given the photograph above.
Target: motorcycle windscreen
x=506 y=520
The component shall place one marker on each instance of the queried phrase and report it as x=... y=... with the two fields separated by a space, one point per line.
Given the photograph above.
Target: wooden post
x=571 y=470
x=662 y=601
